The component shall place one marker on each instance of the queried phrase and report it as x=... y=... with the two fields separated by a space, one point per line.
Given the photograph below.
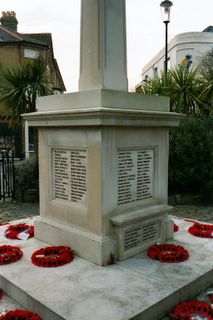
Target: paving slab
x=10 y=211
x=136 y=288
x=200 y=213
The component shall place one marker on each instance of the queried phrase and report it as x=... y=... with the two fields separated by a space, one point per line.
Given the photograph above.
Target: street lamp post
x=165 y=10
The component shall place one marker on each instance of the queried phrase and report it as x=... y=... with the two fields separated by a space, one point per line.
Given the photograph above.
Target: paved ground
x=137 y=285
x=13 y=211
x=204 y=214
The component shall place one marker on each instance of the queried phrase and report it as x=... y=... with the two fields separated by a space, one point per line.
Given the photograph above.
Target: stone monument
x=103 y=152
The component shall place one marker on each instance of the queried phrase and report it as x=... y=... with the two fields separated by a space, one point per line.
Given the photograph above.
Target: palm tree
x=182 y=86
x=20 y=85
x=159 y=85
x=185 y=88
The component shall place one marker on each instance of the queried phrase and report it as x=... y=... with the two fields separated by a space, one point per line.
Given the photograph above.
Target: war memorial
x=103 y=163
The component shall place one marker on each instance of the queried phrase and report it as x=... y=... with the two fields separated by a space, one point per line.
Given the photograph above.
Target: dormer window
x=31 y=54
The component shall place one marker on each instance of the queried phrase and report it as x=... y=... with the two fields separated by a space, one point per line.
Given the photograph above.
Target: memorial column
x=103 y=45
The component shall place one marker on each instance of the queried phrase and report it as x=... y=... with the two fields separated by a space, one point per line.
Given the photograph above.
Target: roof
x=208 y=29
x=8 y=36
x=59 y=75
x=41 y=37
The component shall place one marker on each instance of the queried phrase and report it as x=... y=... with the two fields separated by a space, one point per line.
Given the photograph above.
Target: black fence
x=7 y=176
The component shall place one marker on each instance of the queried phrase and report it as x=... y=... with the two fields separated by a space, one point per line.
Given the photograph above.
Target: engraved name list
x=69 y=175
x=135 y=175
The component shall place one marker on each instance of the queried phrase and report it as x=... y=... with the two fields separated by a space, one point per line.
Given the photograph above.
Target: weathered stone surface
x=137 y=288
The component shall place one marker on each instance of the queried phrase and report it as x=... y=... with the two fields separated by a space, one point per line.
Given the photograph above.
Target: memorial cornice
x=103 y=117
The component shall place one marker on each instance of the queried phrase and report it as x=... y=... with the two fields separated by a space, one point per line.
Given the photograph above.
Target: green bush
x=191 y=158
x=27 y=181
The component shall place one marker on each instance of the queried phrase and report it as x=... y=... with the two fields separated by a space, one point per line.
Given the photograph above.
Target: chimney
x=9 y=21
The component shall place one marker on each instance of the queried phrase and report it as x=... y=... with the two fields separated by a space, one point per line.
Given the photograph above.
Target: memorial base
x=103 y=171
x=99 y=250
x=137 y=230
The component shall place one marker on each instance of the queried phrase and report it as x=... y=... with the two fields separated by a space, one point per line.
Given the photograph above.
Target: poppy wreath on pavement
x=1 y=294
x=52 y=257
x=20 y=315
x=13 y=231
x=192 y=310
x=9 y=254
x=167 y=253
x=201 y=230
x=4 y=223
x=176 y=228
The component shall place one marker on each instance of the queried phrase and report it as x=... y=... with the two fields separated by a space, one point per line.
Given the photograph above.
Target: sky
x=145 y=29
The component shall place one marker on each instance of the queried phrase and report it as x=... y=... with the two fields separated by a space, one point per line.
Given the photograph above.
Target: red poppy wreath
x=167 y=253
x=14 y=231
x=176 y=228
x=9 y=254
x=201 y=230
x=211 y=298
x=52 y=257
x=20 y=315
x=1 y=294
x=192 y=310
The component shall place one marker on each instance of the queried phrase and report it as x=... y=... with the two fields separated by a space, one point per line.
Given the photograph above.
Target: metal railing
x=7 y=176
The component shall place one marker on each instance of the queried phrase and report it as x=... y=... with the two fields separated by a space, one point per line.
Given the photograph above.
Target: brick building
x=15 y=48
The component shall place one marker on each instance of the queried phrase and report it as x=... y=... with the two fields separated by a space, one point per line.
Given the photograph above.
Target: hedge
x=191 y=158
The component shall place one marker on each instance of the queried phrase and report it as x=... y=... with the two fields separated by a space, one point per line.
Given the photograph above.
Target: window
x=155 y=72
x=169 y=63
x=31 y=53
x=145 y=78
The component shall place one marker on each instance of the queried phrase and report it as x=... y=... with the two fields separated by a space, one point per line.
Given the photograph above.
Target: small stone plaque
x=70 y=174
x=135 y=175
x=132 y=237
x=137 y=236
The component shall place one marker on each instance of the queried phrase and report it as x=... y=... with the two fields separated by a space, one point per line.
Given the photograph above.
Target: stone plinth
x=103 y=159
x=136 y=288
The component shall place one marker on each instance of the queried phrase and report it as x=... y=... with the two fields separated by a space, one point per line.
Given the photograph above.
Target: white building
x=184 y=49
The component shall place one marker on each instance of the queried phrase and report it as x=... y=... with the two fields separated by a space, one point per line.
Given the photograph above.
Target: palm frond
x=20 y=85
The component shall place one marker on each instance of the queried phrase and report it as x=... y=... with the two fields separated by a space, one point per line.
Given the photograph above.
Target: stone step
x=6 y=304
x=201 y=297
x=136 y=288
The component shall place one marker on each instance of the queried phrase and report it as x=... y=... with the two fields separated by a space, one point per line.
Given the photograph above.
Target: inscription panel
x=135 y=175
x=61 y=174
x=70 y=175
x=137 y=236
x=78 y=181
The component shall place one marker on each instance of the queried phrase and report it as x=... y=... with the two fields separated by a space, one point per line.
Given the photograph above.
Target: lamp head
x=165 y=10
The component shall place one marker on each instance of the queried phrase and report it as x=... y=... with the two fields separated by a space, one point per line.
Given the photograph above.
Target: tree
x=184 y=91
x=205 y=70
x=20 y=85
x=158 y=86
x=181 y=85
x=191 y=158
x=191 y=144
